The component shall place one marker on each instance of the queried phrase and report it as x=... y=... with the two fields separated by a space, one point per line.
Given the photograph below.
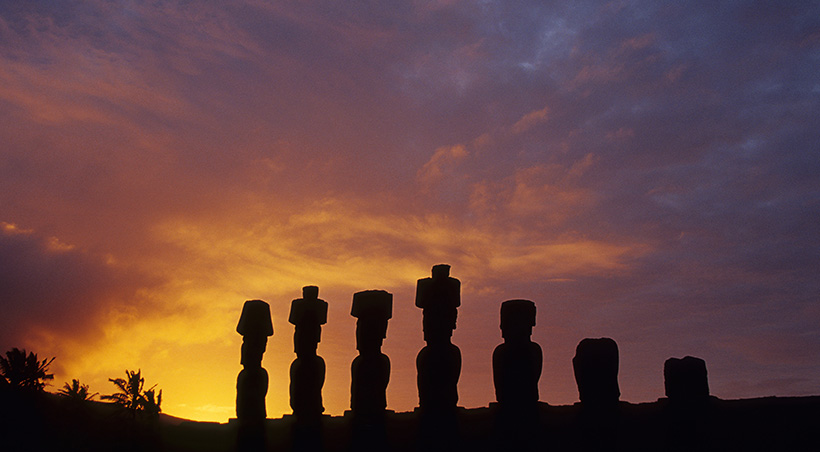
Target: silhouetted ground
x=41 y=422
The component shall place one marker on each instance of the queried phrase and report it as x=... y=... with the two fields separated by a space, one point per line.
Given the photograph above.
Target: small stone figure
x=307 y=373
x=439 y=363
x=685 y=380
x=255 y=326
x=517 y=362
x=370 y=371
x=596 y=371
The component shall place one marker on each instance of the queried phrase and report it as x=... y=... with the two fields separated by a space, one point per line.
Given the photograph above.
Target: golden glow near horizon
x=181 y=334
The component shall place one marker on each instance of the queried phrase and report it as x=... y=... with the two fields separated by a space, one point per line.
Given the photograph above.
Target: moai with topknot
x=307 y=373
x=255 y=326
x=438 y=364
x=517 y=362
x=370 y=371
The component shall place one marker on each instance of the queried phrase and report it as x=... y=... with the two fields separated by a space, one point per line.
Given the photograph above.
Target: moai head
x=517 y=320
x=255 y=319
x=310 y=292
x=372 y=308
x=685 y=380
x=439 y=297
x=596 y=371
x=308 y=314
x=441 y=271
x=255 y=326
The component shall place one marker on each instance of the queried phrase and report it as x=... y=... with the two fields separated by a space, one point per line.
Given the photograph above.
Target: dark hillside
x=46 y=422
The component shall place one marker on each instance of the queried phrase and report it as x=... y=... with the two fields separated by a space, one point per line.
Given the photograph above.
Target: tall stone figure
x=439 y=363
x=370 y=371
x=307 y=373
x=517 y=362
x=255 y=326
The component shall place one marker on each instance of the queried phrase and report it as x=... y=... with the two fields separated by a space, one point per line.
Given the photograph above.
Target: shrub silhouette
x=132 y=397
x=25 y=371
x=76 y=391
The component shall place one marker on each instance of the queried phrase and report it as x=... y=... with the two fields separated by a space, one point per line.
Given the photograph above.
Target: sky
x=645 y=171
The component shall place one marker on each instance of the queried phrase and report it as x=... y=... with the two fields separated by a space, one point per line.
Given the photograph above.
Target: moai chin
x=438 y=364
x=307 y=373
x=517 y=362
x=370 y=371
x=596 y=372
x=255 y=326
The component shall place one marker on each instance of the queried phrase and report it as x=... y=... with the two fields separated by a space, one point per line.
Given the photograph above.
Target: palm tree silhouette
x=76 y=391
x=25 y=371
x=131 y=395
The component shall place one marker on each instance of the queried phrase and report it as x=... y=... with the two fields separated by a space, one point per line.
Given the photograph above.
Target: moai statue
x=307 y=373
x=439 y=363
x=517 y=362
x=596 y=372
x=255 y=326
x=685 y=380
x=370 y=371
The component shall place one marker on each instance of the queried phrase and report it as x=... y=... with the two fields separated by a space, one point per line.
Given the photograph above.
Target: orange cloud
x=530 y=120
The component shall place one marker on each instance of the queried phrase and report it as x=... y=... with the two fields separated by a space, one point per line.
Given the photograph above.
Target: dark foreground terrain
x=44 y=422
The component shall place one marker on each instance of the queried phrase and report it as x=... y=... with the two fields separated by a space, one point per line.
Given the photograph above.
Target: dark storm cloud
x=49 y=286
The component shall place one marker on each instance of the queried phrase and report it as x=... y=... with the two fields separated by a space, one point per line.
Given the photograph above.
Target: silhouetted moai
x=439 y=363
x=517 y=362
x=516 y=371
x=370 y=371
x=255 y=326
x=685 y=380
x=596 y=371
x=307 y=373
x=689 y=417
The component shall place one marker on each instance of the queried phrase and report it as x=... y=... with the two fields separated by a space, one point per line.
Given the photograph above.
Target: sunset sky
x=645 y=171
